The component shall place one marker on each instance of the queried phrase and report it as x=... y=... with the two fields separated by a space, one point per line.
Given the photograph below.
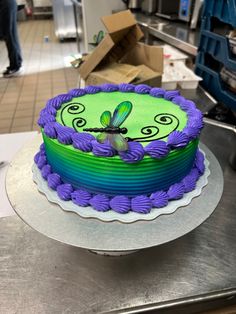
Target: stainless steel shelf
x=178 y=34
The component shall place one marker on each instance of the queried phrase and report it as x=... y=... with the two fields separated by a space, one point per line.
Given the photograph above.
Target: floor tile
x=26 y=98
x=23 y=121
x=4 y=130
x=35 y=127
x=6 y=107
x=24 y=113
x=5 y=123
x=6 y=100
x=23 y=128
x=37 y=112
x=45 y=75
x=6 y=115
x=25 y=105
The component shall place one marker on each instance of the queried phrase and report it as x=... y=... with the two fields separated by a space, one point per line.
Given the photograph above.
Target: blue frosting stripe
x=113 y=176
x=120 y=203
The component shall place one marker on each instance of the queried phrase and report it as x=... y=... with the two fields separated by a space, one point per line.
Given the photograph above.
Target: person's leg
x=11 y=35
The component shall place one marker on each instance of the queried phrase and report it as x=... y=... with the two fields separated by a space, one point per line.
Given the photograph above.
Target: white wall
x=93 y=10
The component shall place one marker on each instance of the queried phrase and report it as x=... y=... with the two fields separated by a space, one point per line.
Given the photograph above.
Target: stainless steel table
x=177 y=34
x=197 y=271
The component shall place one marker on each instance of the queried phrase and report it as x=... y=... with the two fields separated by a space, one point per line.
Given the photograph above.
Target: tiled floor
x=46 y=73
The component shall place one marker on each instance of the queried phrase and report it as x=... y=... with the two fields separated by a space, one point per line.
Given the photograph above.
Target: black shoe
x=10 y=73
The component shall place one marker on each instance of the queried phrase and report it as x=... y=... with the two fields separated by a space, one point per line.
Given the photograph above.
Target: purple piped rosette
x=102 y=150
x=141 y=204
x=136 y=152
x=157 y=149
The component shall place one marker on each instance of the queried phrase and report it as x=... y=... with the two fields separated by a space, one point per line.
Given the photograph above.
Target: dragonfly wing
x=105 y=118
x=118 y=142
x=102 y=137
x=121 y=113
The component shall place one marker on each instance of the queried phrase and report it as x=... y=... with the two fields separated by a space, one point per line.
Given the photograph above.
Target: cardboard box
x=120 y=57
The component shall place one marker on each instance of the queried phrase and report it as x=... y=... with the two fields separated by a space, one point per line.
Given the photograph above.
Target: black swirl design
x=151 y=131
x=78 y=123
x=74 y=109
x=166 y=119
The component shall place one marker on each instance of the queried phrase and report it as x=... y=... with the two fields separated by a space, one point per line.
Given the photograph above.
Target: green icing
x=112 y=176
x=150 y=119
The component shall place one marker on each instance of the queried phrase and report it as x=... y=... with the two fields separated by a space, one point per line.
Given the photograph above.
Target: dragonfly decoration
x=97 y=38
x=111 y=130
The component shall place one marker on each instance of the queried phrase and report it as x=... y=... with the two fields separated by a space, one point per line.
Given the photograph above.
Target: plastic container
x=188 y=79
x=213 y=83
x=232 y=41
x=172 y=54
x=169 y=76
x=229 y=77
x=177 y=73
x=224 y=10
x=169 y=85
x=216 y=45
x=189 y=84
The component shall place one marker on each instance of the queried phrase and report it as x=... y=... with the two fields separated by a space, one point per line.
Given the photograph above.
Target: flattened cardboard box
x=115 y=73
x=120 y=58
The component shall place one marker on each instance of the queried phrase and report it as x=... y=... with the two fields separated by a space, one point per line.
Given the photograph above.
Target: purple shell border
x=88 y=143
x=120 y=203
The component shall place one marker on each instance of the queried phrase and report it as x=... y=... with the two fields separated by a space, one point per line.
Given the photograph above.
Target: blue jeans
x=8 y=24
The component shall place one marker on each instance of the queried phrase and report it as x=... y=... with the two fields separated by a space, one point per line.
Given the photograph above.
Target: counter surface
x=177 y=34
x=40 y=275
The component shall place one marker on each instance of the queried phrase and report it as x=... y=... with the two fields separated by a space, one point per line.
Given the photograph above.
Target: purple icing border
x=87 y=142
x=120 y=203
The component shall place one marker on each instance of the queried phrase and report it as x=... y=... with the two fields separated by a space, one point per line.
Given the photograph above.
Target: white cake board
x=112 y=238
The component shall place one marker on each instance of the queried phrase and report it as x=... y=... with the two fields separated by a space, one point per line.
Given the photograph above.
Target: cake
x=120 y=147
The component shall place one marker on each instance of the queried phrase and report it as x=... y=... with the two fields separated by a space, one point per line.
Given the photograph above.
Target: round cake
x=120 y=147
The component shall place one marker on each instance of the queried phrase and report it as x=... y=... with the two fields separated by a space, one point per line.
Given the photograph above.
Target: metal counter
x=64 y=21
x=195 y=272
x=177 y=34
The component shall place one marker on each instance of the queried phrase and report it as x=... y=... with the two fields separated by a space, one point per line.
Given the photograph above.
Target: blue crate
x=218 y=47
x=224 y=10
x=213 y=84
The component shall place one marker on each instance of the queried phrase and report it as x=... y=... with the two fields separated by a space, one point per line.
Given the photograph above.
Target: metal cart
x=64 y=20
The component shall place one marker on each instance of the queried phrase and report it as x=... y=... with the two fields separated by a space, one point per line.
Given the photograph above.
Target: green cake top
x=155 y=121
x=150 y=119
